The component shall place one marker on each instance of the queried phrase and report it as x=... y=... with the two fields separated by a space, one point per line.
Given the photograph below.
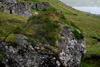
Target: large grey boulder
x=69 y=53
x=24 y=55
x=71 y=49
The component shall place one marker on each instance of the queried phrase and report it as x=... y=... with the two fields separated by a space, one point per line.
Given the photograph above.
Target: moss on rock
x=11 y=38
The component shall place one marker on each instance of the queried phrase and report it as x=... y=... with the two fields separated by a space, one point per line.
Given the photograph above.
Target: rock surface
x=12 y=7
x=72 y=49
x=40 y=6
x=21 y=8
x=8 y=1
x=69 y=54
x=24 y=55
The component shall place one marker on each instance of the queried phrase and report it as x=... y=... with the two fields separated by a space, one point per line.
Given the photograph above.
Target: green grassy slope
x=89 y=24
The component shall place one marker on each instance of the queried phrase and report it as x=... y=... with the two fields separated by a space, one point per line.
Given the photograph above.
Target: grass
x=85 y=64
x=93 y=49
x=88 y=24
x=33 y=1
x=17 y=30
x=7 y=16
x=10 y=24
x=50 y=9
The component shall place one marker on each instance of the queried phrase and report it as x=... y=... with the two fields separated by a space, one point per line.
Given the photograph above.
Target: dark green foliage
x=90 y=60
x=56 y=22
x=1 y=22
x=13 y=21
x=44 y=9
x=63 y=17
x=51 y=40
x=46 y=30
x=38 y=20
x=65 y=21
x=78 y=35
x=32 y=0
x=49 y=9
x=75 y=28
x=17 y=30
x=33 y=44
x=50 y=27
x=1 y=57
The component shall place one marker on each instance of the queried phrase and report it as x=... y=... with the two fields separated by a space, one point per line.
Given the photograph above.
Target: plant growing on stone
x=1 y=57
x=78 y=35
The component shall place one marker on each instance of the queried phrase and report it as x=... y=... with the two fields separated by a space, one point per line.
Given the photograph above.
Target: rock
x=8 y=1
x=71 y=49
x=21 y=9
x=12 y=7
x=70 y=52
x=40 y=6
x=35 y=13
x=21 y=40
x=34 y=6
x=1 y=5
x=27 y=57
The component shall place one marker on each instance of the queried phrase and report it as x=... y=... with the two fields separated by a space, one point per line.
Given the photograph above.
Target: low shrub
x=78 y=35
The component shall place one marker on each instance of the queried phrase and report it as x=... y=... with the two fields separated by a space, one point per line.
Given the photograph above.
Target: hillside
x=89 y=26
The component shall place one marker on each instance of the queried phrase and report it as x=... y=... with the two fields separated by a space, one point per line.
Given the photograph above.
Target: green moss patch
x=11 y=38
